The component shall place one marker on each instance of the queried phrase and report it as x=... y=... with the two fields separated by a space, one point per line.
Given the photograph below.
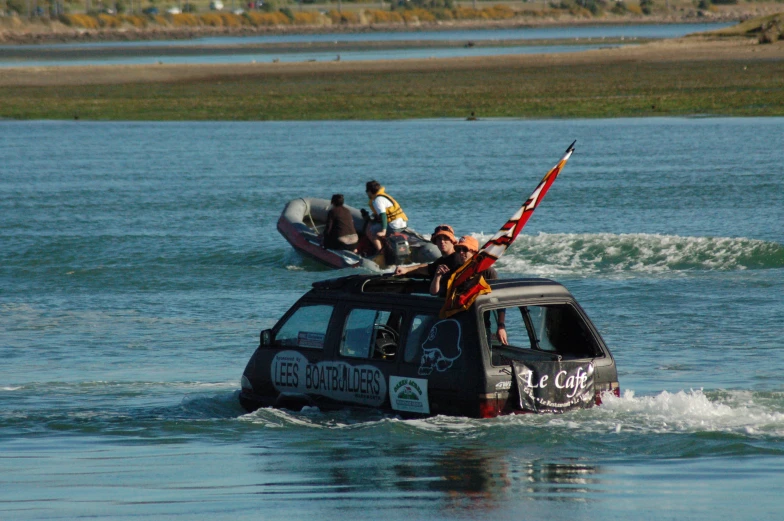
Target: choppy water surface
x=138 y=261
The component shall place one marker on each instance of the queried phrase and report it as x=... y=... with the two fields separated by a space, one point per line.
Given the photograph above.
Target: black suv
x=377 y=341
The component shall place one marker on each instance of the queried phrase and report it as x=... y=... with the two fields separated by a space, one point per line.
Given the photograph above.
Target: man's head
x=337 y=200
x=444 y=238
x=466 y=247
x=372 y=187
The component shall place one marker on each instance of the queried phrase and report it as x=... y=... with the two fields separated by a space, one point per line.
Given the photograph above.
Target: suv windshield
x=307 y=327
x=557 y=329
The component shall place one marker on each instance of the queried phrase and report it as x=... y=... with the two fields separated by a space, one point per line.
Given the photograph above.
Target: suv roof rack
x=375 y=284
x=389 y=284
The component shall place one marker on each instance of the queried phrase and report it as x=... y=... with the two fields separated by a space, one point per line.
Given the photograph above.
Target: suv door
x=552 y=356
x=367 y=351
x=301 y=340
x=442 y=357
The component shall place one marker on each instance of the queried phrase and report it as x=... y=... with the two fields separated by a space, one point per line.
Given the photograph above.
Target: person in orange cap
x=444 y=239
x=466 y=248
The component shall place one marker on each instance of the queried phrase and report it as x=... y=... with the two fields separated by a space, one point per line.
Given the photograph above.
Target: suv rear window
x=557 y=329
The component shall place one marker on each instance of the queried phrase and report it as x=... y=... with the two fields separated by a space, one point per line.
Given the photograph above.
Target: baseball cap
x=444 y=230
x=469 y=242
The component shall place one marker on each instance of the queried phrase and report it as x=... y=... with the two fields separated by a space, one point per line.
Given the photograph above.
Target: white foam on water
x=741 y=412
x=293 y=260
x=554 y=254
x=568 y=253
x=744 y=413
x=281 y=418
x=231 y=384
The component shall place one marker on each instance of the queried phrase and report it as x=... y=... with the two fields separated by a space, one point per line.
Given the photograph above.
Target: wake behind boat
x=302 y=224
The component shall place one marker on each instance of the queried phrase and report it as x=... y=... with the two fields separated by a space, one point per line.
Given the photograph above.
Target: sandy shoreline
x=684 y=50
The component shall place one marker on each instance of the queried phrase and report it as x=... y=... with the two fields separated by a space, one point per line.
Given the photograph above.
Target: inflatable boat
x=302 y=223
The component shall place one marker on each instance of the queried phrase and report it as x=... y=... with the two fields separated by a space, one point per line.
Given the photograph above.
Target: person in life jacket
x=388 y=215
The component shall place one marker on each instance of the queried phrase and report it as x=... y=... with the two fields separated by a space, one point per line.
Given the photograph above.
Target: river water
x=496 y=42
x=138 y=262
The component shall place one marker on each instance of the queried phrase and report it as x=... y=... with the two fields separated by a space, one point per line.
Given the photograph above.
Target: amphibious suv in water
x=377 y=341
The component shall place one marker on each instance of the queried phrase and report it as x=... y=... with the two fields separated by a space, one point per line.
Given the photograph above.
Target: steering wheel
x=386 y=341
x=385 y=331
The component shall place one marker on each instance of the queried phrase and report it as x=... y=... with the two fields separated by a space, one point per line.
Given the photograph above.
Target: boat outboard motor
x=424 y=253
x=398 y=249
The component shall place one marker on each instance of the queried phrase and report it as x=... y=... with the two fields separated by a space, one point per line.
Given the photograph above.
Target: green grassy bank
x=623 y=88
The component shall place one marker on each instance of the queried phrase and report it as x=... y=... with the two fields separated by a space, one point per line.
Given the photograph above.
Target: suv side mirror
x=265 y=338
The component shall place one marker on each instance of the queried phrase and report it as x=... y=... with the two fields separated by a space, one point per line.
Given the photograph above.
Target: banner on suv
x=554 y=386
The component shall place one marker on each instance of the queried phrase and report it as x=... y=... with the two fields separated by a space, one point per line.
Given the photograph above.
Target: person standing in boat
x=444 y=239
x=339 y=232
x=388 y=215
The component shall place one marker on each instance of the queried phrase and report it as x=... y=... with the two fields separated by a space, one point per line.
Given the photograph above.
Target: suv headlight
x=245 y=383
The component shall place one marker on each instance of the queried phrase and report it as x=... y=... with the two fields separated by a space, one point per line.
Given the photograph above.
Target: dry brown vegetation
x=359 y=16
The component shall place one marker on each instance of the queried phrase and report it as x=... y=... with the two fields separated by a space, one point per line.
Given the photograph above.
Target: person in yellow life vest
x=389 y=216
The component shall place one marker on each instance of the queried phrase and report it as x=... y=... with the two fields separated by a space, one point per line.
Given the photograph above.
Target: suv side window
x=560 y=329
x=516 y=329
x=417 y=335
x=371 y=333
x=556 y=329
x=307 y=327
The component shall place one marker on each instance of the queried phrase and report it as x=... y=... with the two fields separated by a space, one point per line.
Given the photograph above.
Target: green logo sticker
x=409 y=394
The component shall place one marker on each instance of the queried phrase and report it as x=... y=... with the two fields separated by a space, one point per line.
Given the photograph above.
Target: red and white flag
x=467 y=283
